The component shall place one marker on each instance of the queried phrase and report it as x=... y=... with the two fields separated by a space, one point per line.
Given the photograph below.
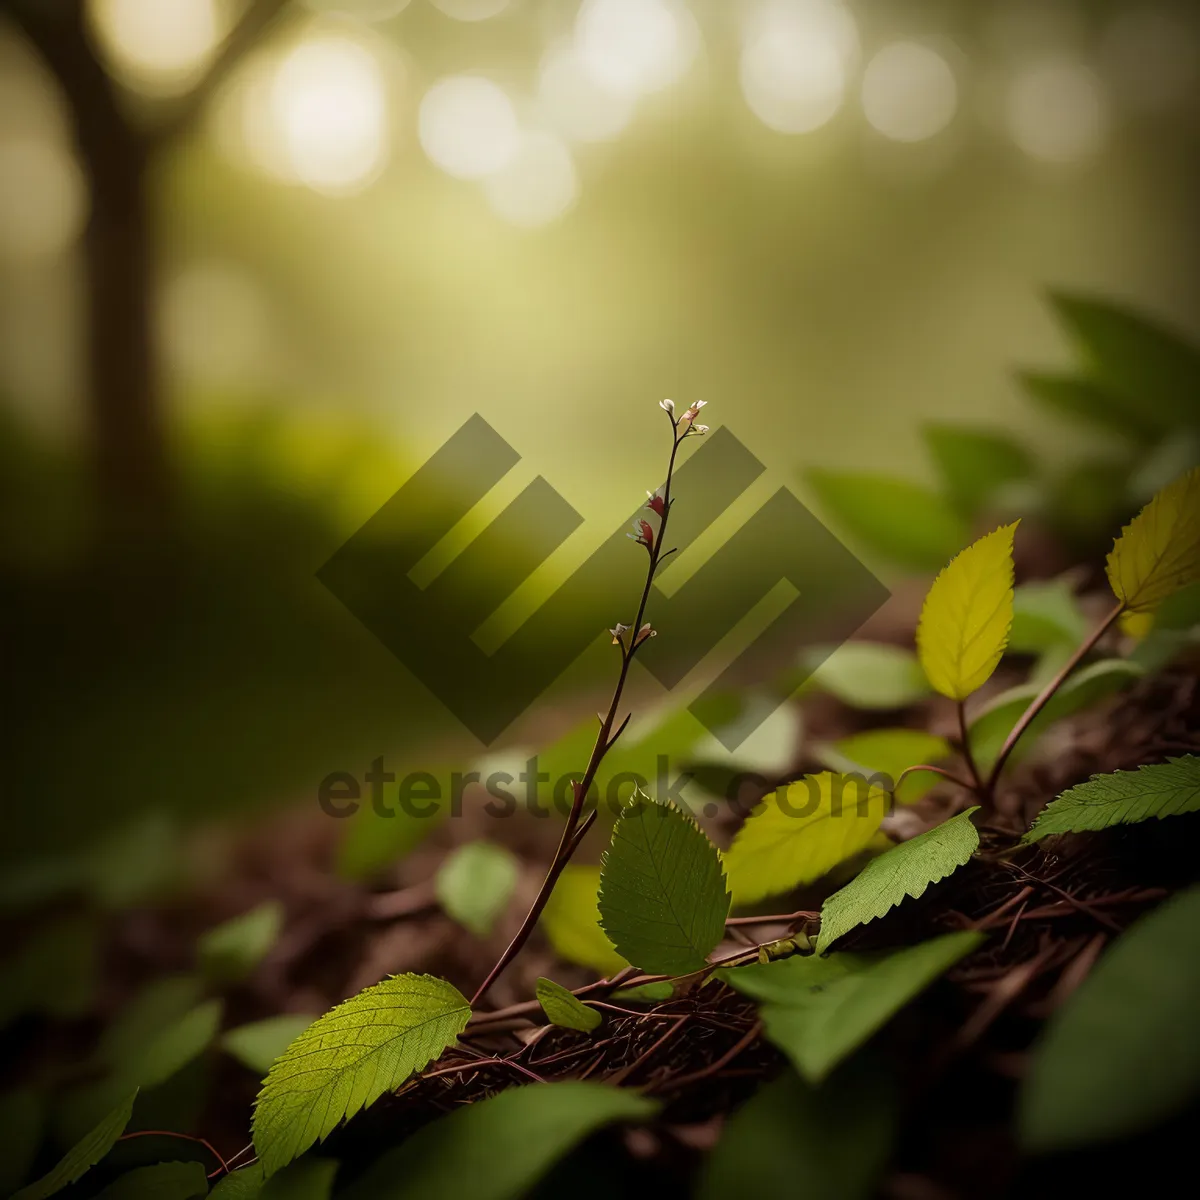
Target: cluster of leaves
x=659 y=905
x=1136 y=384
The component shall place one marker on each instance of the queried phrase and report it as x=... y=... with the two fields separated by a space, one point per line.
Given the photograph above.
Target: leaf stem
x=1043 y=697
x=964 y=739
x=573 y=831
x=965 y=783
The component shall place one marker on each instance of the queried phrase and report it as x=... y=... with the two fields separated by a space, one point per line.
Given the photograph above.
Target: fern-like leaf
x=1123 y=798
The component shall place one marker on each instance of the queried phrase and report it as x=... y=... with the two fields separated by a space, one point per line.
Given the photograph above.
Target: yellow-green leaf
x=563 y=1008
x=1158 y=552
x=967 y=615
x=571 y=921
x=798 y=833
x=347 y=1059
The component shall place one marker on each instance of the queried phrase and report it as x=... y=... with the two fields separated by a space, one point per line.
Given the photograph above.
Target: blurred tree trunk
x=130 y=456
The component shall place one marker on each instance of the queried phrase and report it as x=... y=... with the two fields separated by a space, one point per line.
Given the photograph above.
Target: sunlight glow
x=537 y=185
x=157 y=46
x=572 y=101
x=796 y=56
x=328 y=101
x=1056 y=111
x=467 y=126
x=909 y=92
x=43 y=198
x=633 y=47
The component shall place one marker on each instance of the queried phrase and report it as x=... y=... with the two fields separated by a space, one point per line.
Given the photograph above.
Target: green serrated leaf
x=800 y=832
x=348 y=1058
x=564 y=1008
x=162 y=1181
x=644 y=993
x=571 y=921
x=1046 y=616
x=905 y=870
x=663 y=901
x=1123 y=798
x=888 y=753
x=992 y=724
x=818 y=1009
x=498 y=1149
x=258 y=1044
x=84 y=1155
x=1140 y=358
x=793 y=1139
x=475 y=884
x=231 y=951
x=1158 y=552
x=910 y=525
x=976 y=463
x=1124 y=1052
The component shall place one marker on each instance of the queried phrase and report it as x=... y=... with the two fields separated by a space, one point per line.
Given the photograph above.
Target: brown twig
x=1043 y=697
x=572 y=830
x=713 y=1067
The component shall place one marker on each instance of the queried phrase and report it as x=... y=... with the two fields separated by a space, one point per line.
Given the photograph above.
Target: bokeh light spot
x=575 y=103
x=157 y=46
x=909 y=92
x=329 y=102
x=796 y=55
x=633 y=47
x=537 y=185
x=468 y=127
x=1056 y=111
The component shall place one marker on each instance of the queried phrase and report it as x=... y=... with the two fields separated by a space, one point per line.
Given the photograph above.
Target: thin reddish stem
x=569 y=842
x=1043 y=697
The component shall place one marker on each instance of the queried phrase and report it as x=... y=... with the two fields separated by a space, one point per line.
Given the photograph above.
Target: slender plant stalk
x=1043 y=697
x=573 y=830
x=965 y=743
x=966 y=783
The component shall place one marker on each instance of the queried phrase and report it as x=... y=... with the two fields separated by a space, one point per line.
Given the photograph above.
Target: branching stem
x=574 y=830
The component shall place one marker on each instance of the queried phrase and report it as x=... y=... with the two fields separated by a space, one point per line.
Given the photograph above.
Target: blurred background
x=259 y=259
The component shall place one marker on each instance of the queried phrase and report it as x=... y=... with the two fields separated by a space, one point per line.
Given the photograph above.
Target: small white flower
x=667 y=405
x=618 y=632
x=700 y=429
